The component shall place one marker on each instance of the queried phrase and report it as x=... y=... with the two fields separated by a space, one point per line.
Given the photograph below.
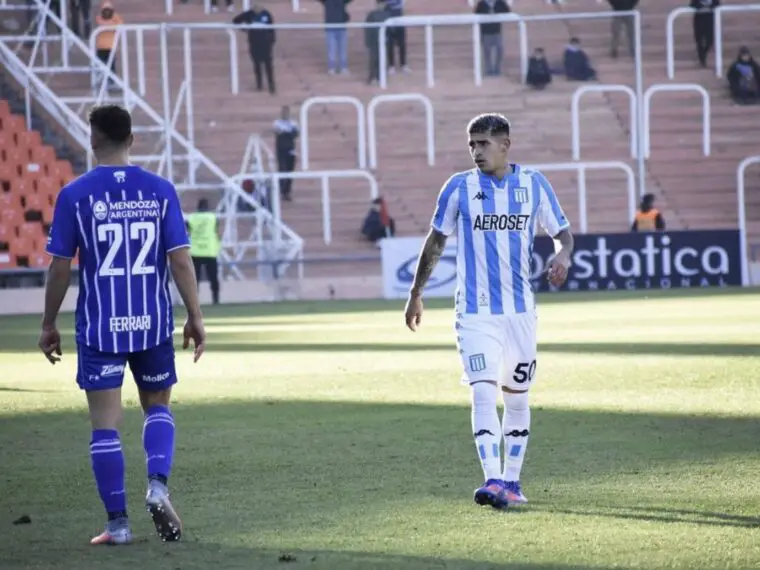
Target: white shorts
x=498 y=348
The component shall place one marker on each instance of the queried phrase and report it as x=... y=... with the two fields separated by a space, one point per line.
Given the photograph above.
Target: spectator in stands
x=83 y=9
x=493 y=44
x=396 y=37
x=260 y=43
x=32 y=15
x=372 y=39
x=337 y=50
x=104 y=43
x=539 y=73
x=704 y=27
x=378 y=223
x=215 y=7
x=286 y=132
x=621 y=22
x=205 y=245
x=744 y=78
x=259 y=189
x=577 y=64
x=648 y=218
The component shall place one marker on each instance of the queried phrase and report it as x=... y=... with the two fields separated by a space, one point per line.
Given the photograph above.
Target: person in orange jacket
x=648 y=218
x=105 y=41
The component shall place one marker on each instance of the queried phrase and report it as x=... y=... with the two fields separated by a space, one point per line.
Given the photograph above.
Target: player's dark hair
x=113 y=122
x=489 y=124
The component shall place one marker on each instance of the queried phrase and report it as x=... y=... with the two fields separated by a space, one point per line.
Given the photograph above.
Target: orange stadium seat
x=7 y=234
x=47 y=185
x=63 y=170
x=32 y=231
x=8 y=171
x=33 y=175
x=6 y=261
x=47 y=191
x=28 y=139
x=55 y=170
x=21 y=248
x=5 y=109
x=39 y=260
x=9 y=201
x=42 y=155
x=34 y=203
x=15 y=155
x=21 y=186
x=14 y=124
x=47 y=214
x=7 y=139
x=12 y=217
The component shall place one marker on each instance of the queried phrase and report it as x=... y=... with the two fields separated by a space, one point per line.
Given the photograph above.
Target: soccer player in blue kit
x=495 y=209
x=126 y=224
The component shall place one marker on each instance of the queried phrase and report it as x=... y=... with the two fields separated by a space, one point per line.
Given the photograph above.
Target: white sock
x=516 y=428
x=485 y=428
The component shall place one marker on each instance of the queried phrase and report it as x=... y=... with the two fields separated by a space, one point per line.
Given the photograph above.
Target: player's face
x=489 y=153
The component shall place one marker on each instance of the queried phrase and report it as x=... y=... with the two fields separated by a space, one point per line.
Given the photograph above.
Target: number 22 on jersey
x=114 y=233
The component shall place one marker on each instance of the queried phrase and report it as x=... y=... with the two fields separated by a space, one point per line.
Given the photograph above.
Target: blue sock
x=158 y=441
x=108 y=468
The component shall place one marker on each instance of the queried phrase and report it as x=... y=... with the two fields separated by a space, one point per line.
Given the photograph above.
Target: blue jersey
x=123 y=221
x=496 y=223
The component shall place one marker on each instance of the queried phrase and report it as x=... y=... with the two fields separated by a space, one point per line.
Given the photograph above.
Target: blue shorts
x=152 y=369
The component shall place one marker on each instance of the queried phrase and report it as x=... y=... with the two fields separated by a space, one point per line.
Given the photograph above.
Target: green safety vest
x=204 y=241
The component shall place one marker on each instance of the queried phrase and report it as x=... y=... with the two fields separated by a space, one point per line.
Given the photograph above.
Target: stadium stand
x=30 y=176
x=694 y=191
x=700 y=196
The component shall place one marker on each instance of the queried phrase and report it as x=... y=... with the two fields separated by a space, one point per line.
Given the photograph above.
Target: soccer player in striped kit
x=495 y=209
x=126 y=224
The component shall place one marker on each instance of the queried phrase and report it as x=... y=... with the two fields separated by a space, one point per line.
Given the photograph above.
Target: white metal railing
x=397 y=98
x=741 y=180
x=338 y=100
x=72 y=123
x=581 y=168
x=428 y=21
x=324 y=176
x=670 y=38
x=674 y=87
x=575 y=114
x=256 y=149
x=670 y=34
x=719 y=30
x=140 y=30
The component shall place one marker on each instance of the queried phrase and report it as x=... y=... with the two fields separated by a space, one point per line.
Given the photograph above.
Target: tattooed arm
x=429 y=256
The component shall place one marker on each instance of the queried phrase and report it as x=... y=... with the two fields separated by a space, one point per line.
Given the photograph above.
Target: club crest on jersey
x=477 y=362
x=521 y=195
x=120 y=176
x=100 y=210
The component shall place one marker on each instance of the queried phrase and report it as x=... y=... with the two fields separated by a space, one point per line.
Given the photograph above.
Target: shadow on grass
x=309 y=474
x=621 y=349
x=660 y=514
x=257 y=342
x=28 y=390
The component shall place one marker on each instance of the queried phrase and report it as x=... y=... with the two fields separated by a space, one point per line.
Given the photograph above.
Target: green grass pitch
x=326 y=436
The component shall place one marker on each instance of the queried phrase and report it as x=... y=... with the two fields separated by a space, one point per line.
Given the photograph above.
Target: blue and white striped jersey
x=496 y=223
x=123 y=221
